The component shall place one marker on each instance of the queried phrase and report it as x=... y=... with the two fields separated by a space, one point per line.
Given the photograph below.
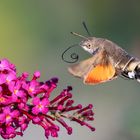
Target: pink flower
x=15 y=88
x=40 y=106
x=7 y=78
x=4 y=65
x=23 y=101
x=10 y=132
x=8 y=114
x=32 y=87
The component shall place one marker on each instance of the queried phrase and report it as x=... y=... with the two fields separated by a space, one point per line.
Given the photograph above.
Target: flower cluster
x=23 y=101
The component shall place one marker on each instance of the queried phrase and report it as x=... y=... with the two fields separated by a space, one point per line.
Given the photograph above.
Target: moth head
x=90 y=45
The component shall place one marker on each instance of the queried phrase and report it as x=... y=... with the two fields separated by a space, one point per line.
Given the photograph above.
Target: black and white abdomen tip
x=137 y=73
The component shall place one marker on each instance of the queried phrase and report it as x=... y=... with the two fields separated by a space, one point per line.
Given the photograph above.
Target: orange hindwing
x=100 y=73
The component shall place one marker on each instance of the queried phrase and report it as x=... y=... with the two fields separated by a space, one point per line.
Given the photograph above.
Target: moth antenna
x=76 y=34
x=85 y=27
x=74 y=57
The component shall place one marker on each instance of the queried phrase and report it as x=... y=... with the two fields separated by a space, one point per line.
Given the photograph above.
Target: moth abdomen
x=131 y=69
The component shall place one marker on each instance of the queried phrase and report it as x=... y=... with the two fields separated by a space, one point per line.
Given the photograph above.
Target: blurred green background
x=33 y=35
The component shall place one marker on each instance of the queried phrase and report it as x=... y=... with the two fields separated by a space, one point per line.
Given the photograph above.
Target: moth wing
x=82 y=68
x=100 y=73
x=95 y=70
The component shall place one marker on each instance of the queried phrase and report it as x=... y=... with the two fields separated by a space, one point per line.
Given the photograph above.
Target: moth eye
x=88 y=46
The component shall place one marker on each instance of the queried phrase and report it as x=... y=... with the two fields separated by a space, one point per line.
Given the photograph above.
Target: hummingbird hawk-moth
x=107 y=62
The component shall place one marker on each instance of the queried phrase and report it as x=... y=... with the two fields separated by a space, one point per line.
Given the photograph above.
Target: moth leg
x=124 y=76
x=128 y=75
